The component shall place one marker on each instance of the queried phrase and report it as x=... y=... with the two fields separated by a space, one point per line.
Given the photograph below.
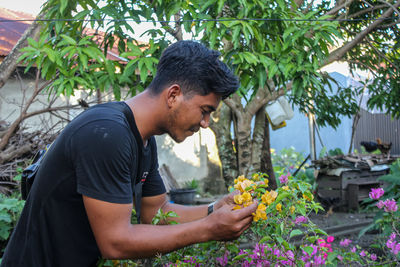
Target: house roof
x=11 y=32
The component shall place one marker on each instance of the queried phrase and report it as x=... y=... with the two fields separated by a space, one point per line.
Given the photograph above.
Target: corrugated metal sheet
x=372 y=126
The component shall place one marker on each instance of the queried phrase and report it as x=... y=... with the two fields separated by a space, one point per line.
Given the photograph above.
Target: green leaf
x=64 y=4
x=68 y=39
x=282 y=196
x=239 y=257
x=265 y=239
x=295 y=232
x=309 y=250
x=320 y=231
x=232 y=248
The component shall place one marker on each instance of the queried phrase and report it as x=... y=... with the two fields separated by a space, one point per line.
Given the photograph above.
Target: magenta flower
x=362 y=253
x=353 y=249
x=300 y=219
x=380 y=204
x=330 y=239
x=340 y=257
x=345 y=243
x=390 y=205
x=376 y=193
x=374 y=257
x=284 y=178
x=392 y=236
x=390 y=244
x=396 y=249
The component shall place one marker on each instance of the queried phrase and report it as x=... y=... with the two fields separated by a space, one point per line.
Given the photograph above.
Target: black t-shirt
x=95 y=155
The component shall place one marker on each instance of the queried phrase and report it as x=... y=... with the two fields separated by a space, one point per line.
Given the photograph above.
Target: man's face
x=189 y=114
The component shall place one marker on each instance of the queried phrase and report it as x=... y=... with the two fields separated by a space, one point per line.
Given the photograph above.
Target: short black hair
x=195 y=68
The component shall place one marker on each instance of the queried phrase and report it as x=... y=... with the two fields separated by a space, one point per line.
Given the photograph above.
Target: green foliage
x=193 y=184
x=164 y=217
x=288 y=161
x=10 y=209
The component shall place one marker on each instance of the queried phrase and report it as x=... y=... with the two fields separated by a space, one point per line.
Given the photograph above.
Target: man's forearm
x=143 y=241
x=186 y=213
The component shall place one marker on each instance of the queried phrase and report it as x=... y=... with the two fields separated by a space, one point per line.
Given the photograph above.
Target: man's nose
x=205 y=122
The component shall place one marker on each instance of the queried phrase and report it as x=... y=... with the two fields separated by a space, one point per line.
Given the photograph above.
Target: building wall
x=372 y=126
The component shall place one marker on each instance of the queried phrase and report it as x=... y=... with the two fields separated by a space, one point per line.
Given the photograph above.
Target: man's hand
x=226 y=200
x=227 y=224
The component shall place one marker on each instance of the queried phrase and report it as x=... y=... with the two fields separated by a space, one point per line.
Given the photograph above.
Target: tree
x=275 y=47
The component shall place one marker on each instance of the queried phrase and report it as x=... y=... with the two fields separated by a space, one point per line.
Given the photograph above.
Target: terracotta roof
x=10 y=32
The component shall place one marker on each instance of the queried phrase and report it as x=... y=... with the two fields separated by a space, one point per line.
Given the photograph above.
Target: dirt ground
x=325 y=221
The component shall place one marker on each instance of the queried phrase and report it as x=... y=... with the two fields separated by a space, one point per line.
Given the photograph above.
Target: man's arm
x=150 y=206
x=117 y=238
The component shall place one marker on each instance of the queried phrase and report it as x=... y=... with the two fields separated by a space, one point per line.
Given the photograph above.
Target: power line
x=200 y=20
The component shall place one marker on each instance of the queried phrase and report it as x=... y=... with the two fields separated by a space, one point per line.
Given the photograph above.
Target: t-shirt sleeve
x=154 y=184
x=103 y=158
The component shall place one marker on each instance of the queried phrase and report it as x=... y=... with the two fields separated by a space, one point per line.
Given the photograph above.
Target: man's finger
x=247 y=211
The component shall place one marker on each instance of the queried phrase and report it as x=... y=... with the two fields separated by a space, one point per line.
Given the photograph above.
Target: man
x=80 y=204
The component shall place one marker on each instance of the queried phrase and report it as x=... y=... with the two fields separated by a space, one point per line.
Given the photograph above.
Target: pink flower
x=390 y=244
x=380 y=204
x=392 y=236
x=300 y=219
x=390 y=205
x=330 y=239
x=284 y=178
x=353 y=249
x=362 y=253
x=345 y=243
x=376 y=193
x=396 y=249
x=340 y=257
x=373 y=257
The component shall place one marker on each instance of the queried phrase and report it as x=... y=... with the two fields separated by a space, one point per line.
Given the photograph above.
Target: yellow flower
x=286 y=188
x=238 y=199
x=308 y=198
x=260 y=213
x=273 y=194
x=241 y=186
x=239 y=179
x=292 y=209
x=246 y=197
x=261 y=206
x=279 y=207
x=269 y=197
x=237 y=207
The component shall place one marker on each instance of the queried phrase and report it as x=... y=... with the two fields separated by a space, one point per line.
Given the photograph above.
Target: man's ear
x=172 y=93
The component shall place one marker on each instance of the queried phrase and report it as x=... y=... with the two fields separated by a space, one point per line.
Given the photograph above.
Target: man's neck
x=146 y=111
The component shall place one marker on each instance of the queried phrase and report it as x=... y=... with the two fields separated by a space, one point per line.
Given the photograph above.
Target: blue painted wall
x=296 y=133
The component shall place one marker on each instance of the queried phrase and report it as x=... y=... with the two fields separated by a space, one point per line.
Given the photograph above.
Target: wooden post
x=352 y=196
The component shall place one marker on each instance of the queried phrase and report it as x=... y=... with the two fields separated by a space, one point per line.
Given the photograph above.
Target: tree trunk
x=257 y=141
x=220 y=125
x=244 y=144
x=266 y=159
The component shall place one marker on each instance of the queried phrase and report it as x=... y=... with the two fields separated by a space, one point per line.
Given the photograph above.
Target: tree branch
x=340 y=52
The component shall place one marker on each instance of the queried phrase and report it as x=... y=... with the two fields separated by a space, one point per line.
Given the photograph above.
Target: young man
x=80 y=204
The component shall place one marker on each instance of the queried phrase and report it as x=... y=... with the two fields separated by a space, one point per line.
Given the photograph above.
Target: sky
x=27 y=6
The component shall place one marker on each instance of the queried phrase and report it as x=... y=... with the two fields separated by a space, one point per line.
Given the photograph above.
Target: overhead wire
x=201 y=20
